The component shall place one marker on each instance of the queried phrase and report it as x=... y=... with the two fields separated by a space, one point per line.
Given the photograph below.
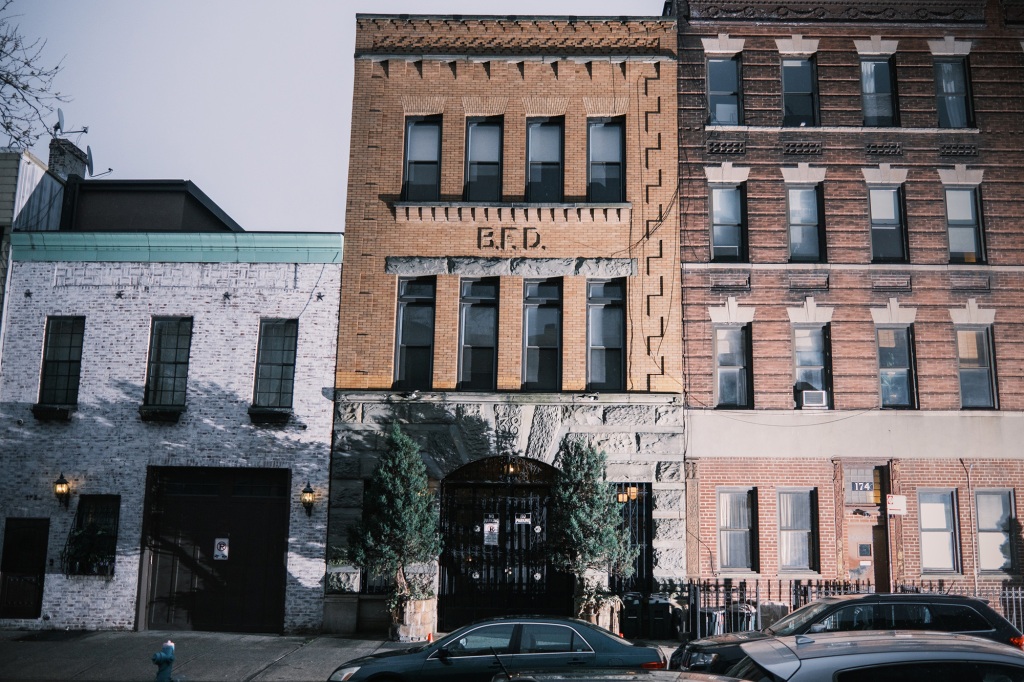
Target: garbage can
x=741 y=617
x=629 y=620
x=660 y=610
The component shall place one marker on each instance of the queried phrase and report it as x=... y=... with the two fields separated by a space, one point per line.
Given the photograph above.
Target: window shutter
x=755 y=540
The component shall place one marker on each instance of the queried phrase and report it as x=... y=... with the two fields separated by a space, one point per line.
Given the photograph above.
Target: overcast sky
x=249 y=99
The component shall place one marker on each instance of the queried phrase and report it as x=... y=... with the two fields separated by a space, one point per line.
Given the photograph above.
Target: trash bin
x=629 y=620
x=741 y=617
x=660 y=610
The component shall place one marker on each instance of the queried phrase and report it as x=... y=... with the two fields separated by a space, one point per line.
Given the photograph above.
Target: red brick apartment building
x=852 y=272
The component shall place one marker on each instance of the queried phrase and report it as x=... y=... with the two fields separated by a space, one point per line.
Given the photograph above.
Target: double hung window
x=799 y=92
x=888 y=226
x=275 y=363
x=415 y=334
x=995 y=540
x=896 y=367
x=724 y=103
x=167 y=371
x=478 y=332
x=483 y=159
x=422 y=159
x=963 y=218
x=544 y=154
x=977 y=375
x=737 y=530
x=734 y=385
x=542 y=355
x=806 y=233
x=728 y=223
x=606 y=179
x=953 y=93
x=606 y=334
x=62 y=361
x=938 y=531
x=798 y=529
x=878 y=92
x=812 y=361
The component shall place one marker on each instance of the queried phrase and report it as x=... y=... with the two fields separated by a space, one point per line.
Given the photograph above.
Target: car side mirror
x=818 y=627
x=443 y=653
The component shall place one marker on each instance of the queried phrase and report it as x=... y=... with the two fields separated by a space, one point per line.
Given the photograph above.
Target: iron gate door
x=23 y=568
x=494 y=523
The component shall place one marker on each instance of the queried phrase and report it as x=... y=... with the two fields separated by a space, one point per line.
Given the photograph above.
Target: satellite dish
x=88 y=159
x=59 y=125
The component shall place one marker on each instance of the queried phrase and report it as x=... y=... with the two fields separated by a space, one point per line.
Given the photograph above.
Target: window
x=812 y=361
x=415 y=347
x=544 y=160
x=478 y=331
x=888 y=231
x=483 y=159
x=977 y=378
x=799 y=93
x=798 y=530
x=275 y=363
x=953 y=94
x=878 y=92
x=422 y=159
x=806 y=233
x=606 y=335
x=488 y=640
x=62 y=360
x=543 y=353
x=964 y=223
x=167 y=374
x=737 y=542
x=606 y=179
x=995 y=543
x=733 y=367
x=91 y=548
x=724 y=104
x=540 y=638
x=938 y=531
x=896 y=367
x=728 y=223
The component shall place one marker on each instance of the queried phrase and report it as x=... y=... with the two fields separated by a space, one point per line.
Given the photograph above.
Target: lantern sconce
x=307 y=497
x=62 y=489
x=627 y=495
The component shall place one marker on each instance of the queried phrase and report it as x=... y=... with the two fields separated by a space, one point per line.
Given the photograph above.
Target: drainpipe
x=974 y=530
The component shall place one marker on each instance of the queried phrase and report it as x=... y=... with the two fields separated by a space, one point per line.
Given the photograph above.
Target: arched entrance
x=494 y=519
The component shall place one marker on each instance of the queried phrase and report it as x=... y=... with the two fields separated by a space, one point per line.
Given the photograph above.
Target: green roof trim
x=177 y=247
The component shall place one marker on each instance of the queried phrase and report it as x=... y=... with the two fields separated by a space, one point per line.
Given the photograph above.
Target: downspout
x=970 y=503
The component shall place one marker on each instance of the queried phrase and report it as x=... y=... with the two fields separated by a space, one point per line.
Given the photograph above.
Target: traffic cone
x=430 y=637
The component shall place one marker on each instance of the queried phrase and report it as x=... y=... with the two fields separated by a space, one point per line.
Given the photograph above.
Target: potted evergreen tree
x=399 y=527
x=587 y=538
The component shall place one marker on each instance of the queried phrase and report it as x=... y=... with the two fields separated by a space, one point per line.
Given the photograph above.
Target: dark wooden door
x=217 y=540
x=23 y=567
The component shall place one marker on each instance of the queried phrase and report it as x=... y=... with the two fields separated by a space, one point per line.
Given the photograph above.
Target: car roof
x=782 y=655
x=902 y=596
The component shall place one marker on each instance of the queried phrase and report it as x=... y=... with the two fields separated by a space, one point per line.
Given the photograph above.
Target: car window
x=749 y=669
x=909 y=616
x=541 y=638
x=486 y=640
x=794 y=623
x=957 y=618
x=853 y=617
x=934 y=671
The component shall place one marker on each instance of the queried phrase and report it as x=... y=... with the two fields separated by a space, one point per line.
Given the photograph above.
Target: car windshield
x=796 y=622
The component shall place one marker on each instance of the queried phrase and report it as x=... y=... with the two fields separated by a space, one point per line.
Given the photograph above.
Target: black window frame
x=892 y=120
x=943 y=99
x=910 y=368
x=974 y=225
x=790 y=96
x=880 y=228
x=825 y=367
x=987 y=368
x=817 y=227
x=476 y=189
x=753 y=564
x=161 y=331
x=91 y=547
x=714 y=94
x=473 y=296
x=742 y=250
x=610 y=192
x=812 y=531
x=414 y=294
x=745 y=370
x=537 y=190
x=534 y=299
x=611 y=297
x=412 y=189
x=61 y=371
x=274 y=377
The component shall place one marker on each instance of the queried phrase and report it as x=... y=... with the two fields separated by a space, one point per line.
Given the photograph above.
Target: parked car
x=944 y=612
x=613 y=676
x=879 y=656
x=476 y=652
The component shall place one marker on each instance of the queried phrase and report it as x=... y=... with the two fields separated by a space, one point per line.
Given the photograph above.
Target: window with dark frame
x=483 y=159
x=167 y=372
x=798 y=529
x=976 y=368
x=799 y=92
x=414 y=362
x=806 y=227
x=896 y=367
x=953 y=93
x=91 y=548
x=724 y=91
x=478 y=334
x=995 y=538
x=606 y=148
x=878 y=92
x=728 y=223
x=963 y=219
x=737 y=536
x=544 y=154
x=606 y=335
x=422 y=159
x=62 y=361
x=938 y=531
x=888 y=225
x=812 y=361
x=542 y=355
x=733 y=360
x=275 y=363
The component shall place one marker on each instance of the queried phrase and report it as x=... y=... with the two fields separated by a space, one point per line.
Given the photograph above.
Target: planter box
x=419 y=619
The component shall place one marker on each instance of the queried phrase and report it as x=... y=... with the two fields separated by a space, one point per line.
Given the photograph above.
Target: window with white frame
x=737 y=532
x=896 y=367
x=995 y=538
x=938 y=531
x=724 y=88
x=422 y=158
x=728 y=223
x=733 y=360
x=977 y=378
x=963 y=220
x=798 y=529
x=806 y=233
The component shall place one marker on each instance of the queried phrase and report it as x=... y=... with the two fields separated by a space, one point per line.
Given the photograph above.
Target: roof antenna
x=58 y=129
x=88 y=164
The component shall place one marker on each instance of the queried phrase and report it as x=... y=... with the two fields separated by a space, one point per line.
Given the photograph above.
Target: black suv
x=942 y=612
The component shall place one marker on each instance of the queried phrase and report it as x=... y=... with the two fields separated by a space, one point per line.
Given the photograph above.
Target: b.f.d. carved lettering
x=508 y=238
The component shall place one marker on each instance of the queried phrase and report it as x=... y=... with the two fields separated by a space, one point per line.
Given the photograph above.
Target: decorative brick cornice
x=606 y=106
x=457 y=212
x=839 y=10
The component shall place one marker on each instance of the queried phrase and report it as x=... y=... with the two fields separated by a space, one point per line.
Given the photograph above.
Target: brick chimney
x=66 y=159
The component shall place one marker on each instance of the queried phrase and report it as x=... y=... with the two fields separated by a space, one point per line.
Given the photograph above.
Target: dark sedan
x=476 y=652
x=942 y=612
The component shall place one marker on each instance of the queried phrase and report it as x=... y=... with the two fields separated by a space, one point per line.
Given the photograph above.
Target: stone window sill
x=269 y=416
x=54 y=413
x=162 y=414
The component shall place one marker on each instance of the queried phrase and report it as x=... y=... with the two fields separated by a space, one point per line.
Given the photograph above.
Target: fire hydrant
x=164 y=660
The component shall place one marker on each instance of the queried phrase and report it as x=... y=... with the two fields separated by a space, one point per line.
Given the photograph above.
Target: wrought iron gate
x=636 y=503
x=494 y=562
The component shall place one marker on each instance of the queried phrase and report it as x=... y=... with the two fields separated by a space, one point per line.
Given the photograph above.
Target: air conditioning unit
x=814 y=400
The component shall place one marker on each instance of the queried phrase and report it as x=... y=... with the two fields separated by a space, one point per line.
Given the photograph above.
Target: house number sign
x=862 y=486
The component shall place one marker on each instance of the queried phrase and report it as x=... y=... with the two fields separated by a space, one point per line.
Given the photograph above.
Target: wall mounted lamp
x=630 y=493
x=307 y=497
x=62 y=489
